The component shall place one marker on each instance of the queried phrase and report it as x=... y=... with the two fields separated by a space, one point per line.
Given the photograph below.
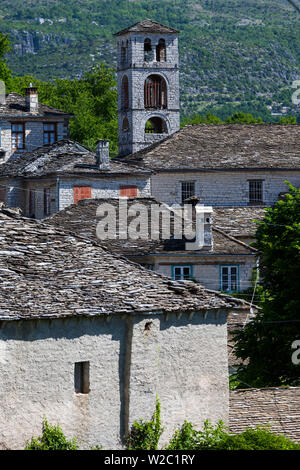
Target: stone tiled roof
x=63 y=157
x=47 y=273
x=81 y=219
x=147 y=26
x=215 y=147
x=238 y=221
x=15 y=106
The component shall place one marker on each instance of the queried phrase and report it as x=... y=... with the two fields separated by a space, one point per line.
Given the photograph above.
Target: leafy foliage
x=92 y=99
x=217 y=438
x=235 y=56
x=145 y=435
x=267 y=340
x=52 y=439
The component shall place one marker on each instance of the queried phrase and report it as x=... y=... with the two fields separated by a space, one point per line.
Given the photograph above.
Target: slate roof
x=47 y=273
x=15 y=106
x=63 y=157
x=238 y=221
x=81 y=219
x=219 y=147
x=147 y=26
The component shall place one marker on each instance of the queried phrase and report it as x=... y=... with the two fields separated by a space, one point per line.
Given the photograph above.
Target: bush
x=217 y=438
x=144 y=435
x=52 y=439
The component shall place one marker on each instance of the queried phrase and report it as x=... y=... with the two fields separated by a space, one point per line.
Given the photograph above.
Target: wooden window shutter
x=128 y=191
x=82 y=192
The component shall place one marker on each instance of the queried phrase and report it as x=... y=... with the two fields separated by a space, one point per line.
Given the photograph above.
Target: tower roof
x=147 y=26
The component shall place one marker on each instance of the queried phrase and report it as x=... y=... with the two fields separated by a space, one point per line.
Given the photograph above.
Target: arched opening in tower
x=148 y=53
x=125 y=93
x=161 y=51
x=125 y=125
x=156 y=125
x=155 y=92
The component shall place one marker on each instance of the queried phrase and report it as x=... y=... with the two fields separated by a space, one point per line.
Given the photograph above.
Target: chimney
x=31 y=97
x=102 y=154
x=202 y=217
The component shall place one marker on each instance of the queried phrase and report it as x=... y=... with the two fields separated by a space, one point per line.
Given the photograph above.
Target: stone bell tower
x=148 y=85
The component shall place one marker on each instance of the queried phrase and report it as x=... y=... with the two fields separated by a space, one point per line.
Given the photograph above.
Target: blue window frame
x=229 y=277
x=181 y=272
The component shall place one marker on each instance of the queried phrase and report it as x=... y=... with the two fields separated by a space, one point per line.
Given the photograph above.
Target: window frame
x=82 y=377
x=255 y=200
x=130 y=188
x=181 y=267
x=77 y=191
x=49 y=132
x=182 y=191
x=17 y=134
x=229 y=267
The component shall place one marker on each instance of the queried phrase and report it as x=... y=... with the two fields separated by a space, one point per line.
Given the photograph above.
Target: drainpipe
x=57 y=194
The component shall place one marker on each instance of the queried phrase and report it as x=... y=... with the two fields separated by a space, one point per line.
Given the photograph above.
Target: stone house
x=52 y=177
x=223 y=165
x=89 y=339
x=26 y=124
x=222 y=263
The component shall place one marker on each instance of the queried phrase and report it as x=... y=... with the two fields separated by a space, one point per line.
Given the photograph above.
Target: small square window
x=255 y=192
x=187 y=190
x=182 y=273
x=82 y=377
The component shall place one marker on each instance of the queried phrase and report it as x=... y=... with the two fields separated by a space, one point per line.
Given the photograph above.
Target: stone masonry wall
x=182 y=359
x=33 y=136
x=279 y=407
x=222 y=188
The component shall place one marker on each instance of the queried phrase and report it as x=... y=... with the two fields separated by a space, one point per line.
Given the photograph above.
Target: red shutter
x=82 y=192
x=128 y=191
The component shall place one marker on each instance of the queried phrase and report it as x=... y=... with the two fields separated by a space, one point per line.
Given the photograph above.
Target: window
x=155 y=92
x=50 y=133
x=148 y=53
x=82 y=192
x=156 y=125
x=229 y=278
x=255 y=192
x=125 y=93
x=161 y=51
x=187 y=190
x=181 y=273
x=18 y=136
x=125 y=125
x=46 y=202
x=82 y=377
x=128 y=191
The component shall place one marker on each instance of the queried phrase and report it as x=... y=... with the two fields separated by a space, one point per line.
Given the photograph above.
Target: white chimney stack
x=102 y=154
x=31 y=97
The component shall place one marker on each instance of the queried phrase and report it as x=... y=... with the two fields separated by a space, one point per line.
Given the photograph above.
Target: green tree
x=267 y=341
x=243 y=118
x=92 y=99
x=5 y=73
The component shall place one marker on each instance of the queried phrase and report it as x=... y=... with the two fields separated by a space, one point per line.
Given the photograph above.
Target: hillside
x=235 y=55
